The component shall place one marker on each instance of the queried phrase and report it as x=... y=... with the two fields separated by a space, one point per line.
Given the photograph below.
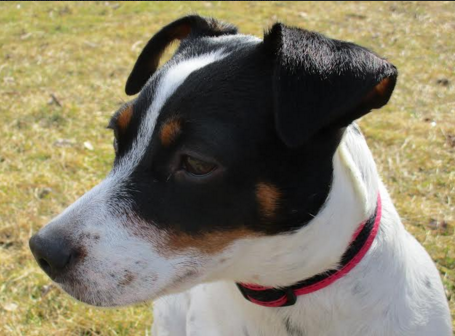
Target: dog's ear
x=188 y=26
x=320 y=83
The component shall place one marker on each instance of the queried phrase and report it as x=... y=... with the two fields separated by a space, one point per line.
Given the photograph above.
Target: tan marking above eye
x=170 y=130
x=124 y=118
x=268 y=197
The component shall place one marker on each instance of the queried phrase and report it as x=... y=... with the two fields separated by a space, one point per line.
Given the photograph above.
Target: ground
x=63 y=67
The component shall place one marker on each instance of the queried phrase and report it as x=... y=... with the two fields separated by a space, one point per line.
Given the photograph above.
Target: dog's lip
x=63 y=282
x=61 y=278
x=76 y=289
x=81 y=294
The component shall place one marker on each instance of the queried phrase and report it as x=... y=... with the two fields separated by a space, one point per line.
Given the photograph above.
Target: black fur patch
x=291 y=329
x=265 y=113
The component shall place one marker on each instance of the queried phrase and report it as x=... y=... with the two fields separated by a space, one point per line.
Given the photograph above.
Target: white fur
x=394 y=290
x=126 y=263
x=235 y=39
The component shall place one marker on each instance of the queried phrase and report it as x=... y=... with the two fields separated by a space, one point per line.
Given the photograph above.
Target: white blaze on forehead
x=238 y=39
x=168 y=84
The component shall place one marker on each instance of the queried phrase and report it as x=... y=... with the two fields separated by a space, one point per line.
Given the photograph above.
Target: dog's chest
x=219 y=309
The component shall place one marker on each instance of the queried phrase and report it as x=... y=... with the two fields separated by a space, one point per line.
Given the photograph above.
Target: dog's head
x=227 y=148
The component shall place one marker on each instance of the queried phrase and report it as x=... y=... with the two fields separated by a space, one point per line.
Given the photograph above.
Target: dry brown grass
x=82 y=53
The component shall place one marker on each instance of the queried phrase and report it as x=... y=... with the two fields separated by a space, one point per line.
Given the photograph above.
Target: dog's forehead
x=192 y=56
x=196 y=48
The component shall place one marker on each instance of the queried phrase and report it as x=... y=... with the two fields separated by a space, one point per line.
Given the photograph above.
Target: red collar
x=287 y=296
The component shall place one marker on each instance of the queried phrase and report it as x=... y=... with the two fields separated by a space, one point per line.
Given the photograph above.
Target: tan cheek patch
x=207 y=243
x=124 y=118
x=171 y=242
x=170 y=130
x=268 y=197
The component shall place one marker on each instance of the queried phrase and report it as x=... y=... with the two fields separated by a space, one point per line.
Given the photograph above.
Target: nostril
x=71 y=259
x=44 y=265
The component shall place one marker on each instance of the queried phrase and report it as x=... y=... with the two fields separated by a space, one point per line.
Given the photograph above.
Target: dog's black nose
x=52 y=254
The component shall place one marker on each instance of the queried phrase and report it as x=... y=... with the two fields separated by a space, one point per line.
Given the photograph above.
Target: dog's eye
x=197 y=167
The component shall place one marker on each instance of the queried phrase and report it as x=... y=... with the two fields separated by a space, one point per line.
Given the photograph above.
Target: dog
x=243 y=197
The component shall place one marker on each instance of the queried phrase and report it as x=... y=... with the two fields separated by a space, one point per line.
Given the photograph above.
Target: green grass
x=82 y=53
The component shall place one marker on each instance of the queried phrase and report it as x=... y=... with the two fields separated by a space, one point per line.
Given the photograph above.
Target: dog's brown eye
x=197 y=167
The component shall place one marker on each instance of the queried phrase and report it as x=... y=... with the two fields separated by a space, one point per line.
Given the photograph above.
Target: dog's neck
x=284 y=260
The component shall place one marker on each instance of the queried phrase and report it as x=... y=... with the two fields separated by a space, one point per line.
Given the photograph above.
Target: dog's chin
x=107 y=296
x=117 y=296
x=103 y=298
x=96 y=298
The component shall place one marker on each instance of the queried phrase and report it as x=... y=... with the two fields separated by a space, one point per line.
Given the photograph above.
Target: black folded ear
x=188 y=26
x=321 y=83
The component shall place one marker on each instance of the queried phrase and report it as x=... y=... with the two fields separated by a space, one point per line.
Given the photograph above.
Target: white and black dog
x=243 y=196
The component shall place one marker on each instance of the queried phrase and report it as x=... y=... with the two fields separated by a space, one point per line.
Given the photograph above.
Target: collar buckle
x=291 y=298
x=269 y=297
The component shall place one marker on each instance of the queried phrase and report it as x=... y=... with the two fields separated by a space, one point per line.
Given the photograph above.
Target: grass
x=55 y=149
